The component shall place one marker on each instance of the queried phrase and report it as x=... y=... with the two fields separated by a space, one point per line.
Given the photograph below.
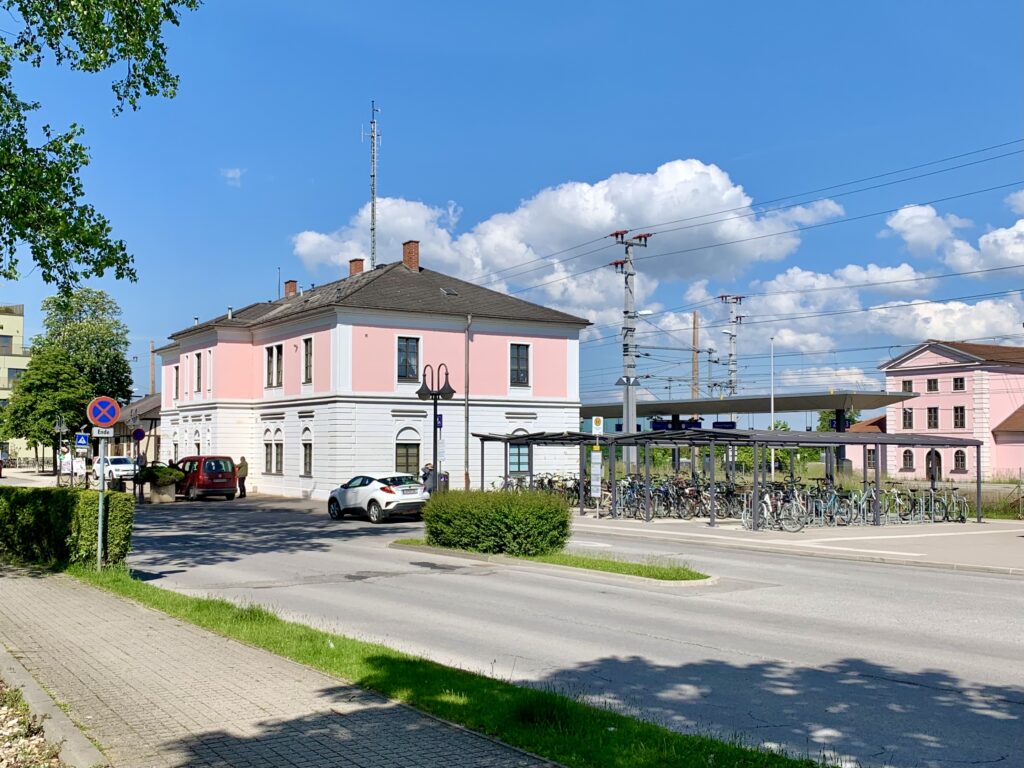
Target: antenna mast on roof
x=374 y=143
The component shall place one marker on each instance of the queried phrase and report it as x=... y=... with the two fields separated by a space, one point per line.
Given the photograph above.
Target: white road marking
x=589 y=543
x=917 y=535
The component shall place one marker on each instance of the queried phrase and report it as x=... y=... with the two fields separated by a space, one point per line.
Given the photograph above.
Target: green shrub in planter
x=55 y=526
x=498 y=522
x=161 y=475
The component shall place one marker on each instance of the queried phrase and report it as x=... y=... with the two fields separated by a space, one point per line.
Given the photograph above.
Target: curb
x=560 y=570
x=75 y=749
x=1000 y=570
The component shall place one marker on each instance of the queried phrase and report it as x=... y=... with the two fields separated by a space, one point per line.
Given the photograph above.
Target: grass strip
x=649 y=570
x=551 y=725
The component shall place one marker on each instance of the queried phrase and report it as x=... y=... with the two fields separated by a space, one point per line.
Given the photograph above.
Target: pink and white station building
x=321 y=384
x=962 y=390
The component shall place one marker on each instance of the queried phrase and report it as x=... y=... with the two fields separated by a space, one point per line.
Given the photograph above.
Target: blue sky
x=511 y=132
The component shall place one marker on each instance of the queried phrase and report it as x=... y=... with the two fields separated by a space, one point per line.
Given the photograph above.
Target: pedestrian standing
x=243 y=472
x=428 y=476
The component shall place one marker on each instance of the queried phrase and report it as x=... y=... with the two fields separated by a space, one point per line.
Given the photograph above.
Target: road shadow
x=854 y=712
x=354 y=729
x=187 y=534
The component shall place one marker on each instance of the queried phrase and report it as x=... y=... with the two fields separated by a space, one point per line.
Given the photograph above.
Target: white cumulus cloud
x=1016 y=201
x=232 y=176
x=510 y=250
x=824 y=377
x=948 y=320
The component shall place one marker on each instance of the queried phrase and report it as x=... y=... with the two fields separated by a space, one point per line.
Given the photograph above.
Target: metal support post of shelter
x=583 y=476
x=755 y=497
x=529 y=463
x=864 y=487
x=506 y=478
x=647 y=483
x=876 y=502
x=482 y=444
x=977 y=483
x=711 y=484
x=613 y=482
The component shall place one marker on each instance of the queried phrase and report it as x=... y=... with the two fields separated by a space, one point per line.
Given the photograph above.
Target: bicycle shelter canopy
x=757 y=438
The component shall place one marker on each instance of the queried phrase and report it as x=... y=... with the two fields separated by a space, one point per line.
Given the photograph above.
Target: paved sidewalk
x=154 y=691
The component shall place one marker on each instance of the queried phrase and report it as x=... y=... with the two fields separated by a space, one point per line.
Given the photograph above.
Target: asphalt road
x=870 y=664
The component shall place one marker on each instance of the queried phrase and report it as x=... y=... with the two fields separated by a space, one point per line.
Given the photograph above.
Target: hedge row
x=55 y=526
x=498 y=522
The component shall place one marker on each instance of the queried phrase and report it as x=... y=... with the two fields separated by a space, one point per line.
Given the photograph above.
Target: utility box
x=442 y=482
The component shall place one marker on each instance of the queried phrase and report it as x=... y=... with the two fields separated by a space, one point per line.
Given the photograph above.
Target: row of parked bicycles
x=791 y=507
x=788 y=506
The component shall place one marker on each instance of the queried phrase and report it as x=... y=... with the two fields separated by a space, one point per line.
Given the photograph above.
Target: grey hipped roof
x=396 y=288
x=991 y=354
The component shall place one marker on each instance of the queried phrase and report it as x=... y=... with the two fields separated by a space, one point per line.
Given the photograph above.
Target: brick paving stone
x=156 y=692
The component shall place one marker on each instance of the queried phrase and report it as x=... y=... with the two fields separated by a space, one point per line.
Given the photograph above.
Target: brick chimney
x=291 y=287
x=355 y=267
x=411 y=254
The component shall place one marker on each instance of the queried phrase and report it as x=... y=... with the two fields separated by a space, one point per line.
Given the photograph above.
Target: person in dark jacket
x=428 y=476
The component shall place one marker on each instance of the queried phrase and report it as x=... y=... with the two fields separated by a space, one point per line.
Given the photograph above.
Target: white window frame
x=928 y=385
x=960 y=460
x=305 y=442
x=177 y=383
x=419 y=360
x=198 y=372
x=529 y=366
x=907 y=412
x=932 y=411
x=961 y=411
x=904 y=383
x=273 y=366
x=904 y=465
x=963 y=384
x=307 y=360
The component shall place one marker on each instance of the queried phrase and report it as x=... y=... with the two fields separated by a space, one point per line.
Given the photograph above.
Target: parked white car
x=378 y=495
x=114 y=468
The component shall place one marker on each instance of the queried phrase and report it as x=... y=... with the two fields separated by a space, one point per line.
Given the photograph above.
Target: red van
x=208 y=476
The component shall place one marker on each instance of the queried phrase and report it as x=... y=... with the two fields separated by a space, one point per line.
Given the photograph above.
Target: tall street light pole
x=772 y=357
x=432 y=392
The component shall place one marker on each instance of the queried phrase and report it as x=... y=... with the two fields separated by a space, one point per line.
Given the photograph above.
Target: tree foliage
x=51 y=387
x=825 y=417
x=40 y=183
x=85 y=326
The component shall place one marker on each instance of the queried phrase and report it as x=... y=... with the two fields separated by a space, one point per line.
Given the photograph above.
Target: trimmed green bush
x=55 y=526
x=498 y=522
x=160 y=475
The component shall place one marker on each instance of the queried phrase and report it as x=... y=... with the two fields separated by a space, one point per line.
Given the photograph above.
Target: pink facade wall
x=488 y=361
x=233 y=365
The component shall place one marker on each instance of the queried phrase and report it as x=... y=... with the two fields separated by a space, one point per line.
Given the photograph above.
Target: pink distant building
x=963 y=390
x=320 y=385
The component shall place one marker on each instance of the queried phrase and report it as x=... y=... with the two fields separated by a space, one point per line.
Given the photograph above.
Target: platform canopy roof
x=776 y=438
x=784 y=403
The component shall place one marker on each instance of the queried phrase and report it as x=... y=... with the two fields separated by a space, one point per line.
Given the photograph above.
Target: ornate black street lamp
x=445 y=392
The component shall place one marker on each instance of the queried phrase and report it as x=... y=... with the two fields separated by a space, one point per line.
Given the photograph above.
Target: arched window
x=278 y=452
x=307 y=452
x=196 y=441
x=960 y=461
x=519 y=457
x=268 y=452
x=407 y=451
x=908 y=459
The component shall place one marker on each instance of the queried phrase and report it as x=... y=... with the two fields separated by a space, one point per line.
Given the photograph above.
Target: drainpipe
x=465 y=410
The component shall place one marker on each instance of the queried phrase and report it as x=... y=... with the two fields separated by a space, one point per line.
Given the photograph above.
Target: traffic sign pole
x=103 y=488
x=103 y=413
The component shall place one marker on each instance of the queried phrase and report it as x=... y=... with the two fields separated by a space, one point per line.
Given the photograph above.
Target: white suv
x=378 y=495
x=114 y=468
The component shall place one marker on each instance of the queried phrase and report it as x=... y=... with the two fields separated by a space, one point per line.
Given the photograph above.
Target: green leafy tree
x=85 y=326
x=51 y=387
x=40 y=181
